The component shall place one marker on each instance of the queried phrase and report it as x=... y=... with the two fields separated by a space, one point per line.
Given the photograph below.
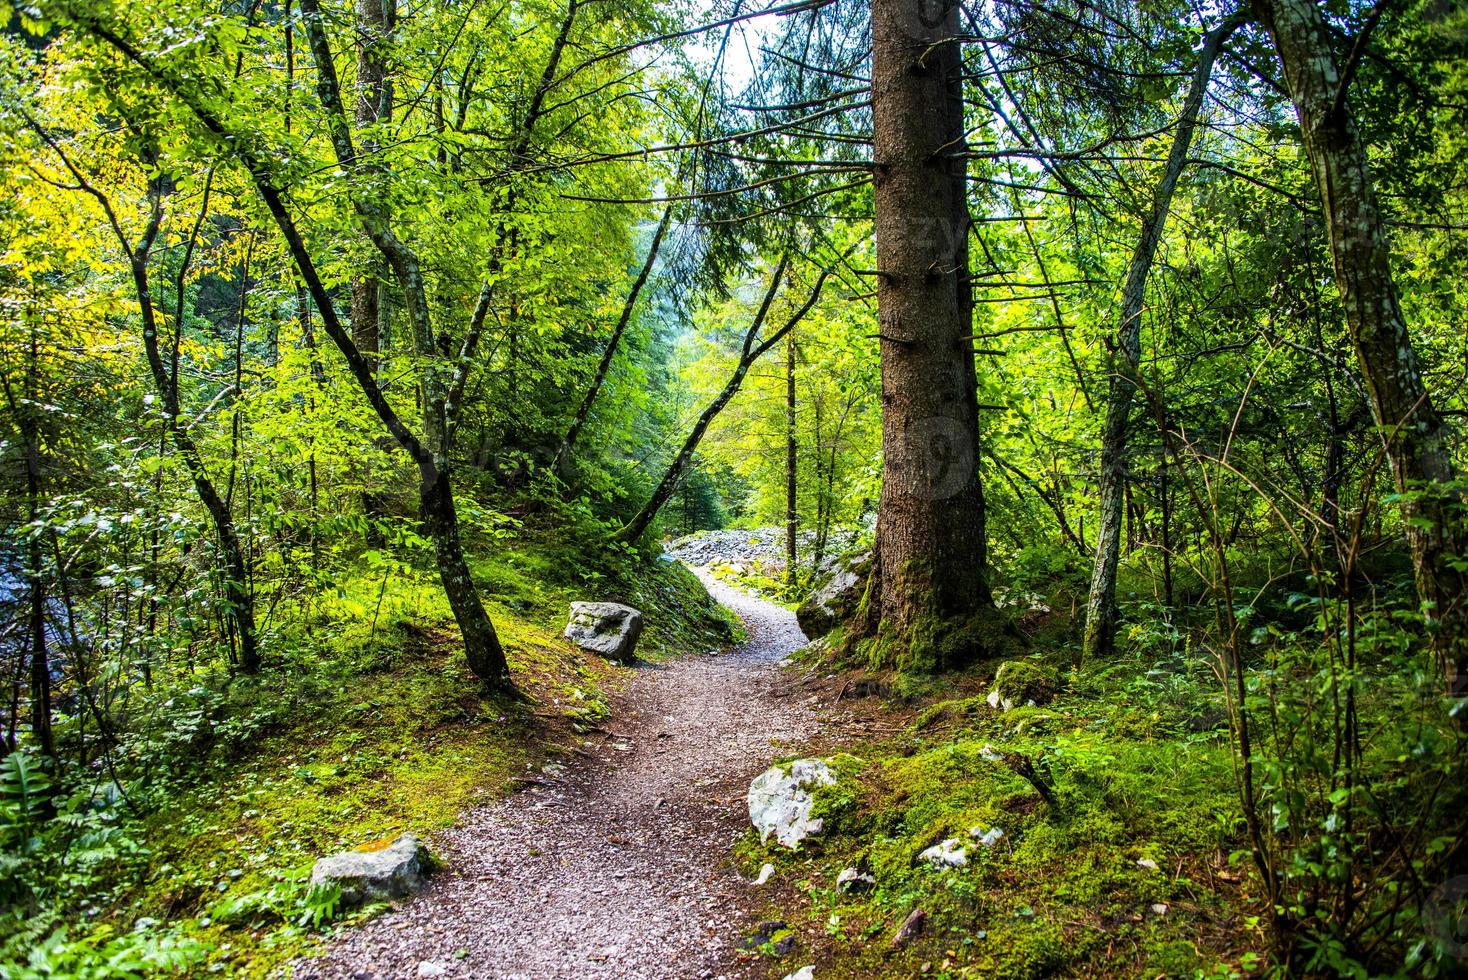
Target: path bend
x=619 y=868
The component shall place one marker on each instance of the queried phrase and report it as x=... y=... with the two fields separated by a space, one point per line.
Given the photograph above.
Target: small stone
x=765 y=932
x=989 y=837
x=854 y=880
x=911 y=927
x=373 y=875
x=780 y=802
x=609 y=629
x=764 y=873
x=948 y=853
x=1159 y=909
x=1147 y=863
x=804 y=973
x=431 y=968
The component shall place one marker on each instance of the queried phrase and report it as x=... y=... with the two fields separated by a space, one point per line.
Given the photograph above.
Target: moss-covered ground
x=367 y=724
x=1126 y=869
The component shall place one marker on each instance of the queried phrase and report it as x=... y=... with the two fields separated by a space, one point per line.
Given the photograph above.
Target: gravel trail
x=618 y=867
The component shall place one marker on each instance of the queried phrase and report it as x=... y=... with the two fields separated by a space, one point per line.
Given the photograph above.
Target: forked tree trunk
x=1100 y=636
x=928 y=588
x=752 y=350
x=1416 y=438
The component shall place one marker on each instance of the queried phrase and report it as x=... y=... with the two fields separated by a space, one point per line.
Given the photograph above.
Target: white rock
x=1147 y=863
x=429 y=968
x=804 y=973
x=988 y=753
x=946 y=854
x=780 y=801
x=988 y=837
x=606 y=628
x=764 y=873
x=854 y=880
x=388 y=872
x=1159 y=908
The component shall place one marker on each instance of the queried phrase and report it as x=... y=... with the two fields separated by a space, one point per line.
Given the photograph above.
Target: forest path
x=619 y=867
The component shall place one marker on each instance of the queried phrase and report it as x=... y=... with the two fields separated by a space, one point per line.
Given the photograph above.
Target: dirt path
x=620 y=867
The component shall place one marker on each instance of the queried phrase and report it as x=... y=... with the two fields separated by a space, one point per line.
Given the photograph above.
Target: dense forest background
x=344 y=343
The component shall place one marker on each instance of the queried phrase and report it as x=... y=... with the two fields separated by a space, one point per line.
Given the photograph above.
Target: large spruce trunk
x=1416 y=438
x=928 y=598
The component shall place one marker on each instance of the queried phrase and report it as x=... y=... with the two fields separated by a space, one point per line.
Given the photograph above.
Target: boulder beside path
x=375 y=874
x=608 y=629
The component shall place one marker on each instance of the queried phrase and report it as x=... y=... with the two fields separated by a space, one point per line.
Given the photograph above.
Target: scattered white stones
x=780 y=801
x=948 y=853
x=765 y=871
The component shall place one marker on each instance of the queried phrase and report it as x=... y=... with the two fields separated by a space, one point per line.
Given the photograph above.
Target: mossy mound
x=1116 y=869
x=1026 y=683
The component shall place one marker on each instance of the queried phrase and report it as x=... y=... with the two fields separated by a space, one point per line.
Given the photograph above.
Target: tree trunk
x=1100 y=636
x=481 y=643
x=1417 y=439
x=583 y=411
x=239 y=605
x=928 y=583
x=374 y=105
x=751 y=352
x=26 y=421
x=792 y=519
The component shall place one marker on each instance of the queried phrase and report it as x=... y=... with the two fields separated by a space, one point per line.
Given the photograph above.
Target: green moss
x=1061 y=891
x=1024 y=682
x=369 y=725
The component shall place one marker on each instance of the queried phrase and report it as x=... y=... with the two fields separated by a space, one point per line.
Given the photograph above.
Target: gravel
x=620 y=866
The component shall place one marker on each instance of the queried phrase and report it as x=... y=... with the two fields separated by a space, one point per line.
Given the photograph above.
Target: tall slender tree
x=1101 y=604
x=1415 y=437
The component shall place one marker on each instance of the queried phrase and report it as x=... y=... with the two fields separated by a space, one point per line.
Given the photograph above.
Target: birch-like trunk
x=1416 y=437
x=1100 y=636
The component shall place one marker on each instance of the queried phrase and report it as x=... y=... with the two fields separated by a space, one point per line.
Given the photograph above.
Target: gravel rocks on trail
x=619 y=868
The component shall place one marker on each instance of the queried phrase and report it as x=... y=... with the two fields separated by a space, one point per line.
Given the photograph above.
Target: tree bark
x=1100 y=635
x=375 y=22
x=751 y=352
x=583 y=411
x=929 y=581
x=792 y=518
x=1417 y=440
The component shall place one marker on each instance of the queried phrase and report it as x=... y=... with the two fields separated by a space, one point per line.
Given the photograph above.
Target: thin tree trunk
x=583 y=411
x=25 y=417
x=375 y=21
x=1417 y=439
x=792 y=519
x=751 y=352
x=1100 y=635
x=928 y=581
